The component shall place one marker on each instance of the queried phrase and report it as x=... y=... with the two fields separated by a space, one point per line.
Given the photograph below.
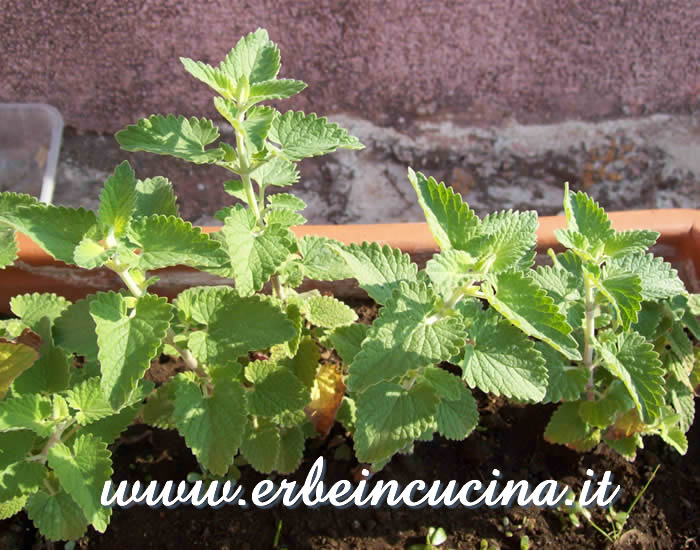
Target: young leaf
x=118 y=200
x=14 y=360
x=178 y=137
x=275 y=89
x=90 y=254
x=518 y=298
x=261 y=445
x=287 y=201
x=211 y=76
x=499 y=358
x=167 y=241
x=80 y=470
x=327 y=312
x=30 y=412
x=451 y=221
x=275 y=390
x=658 y=279
x=284 y=218
x=57 y=516
x=633 y=360
x=511 y=239
x=405 y=337
x=624 y=291
x=302 y=136
x=155 y=196
x=127 y=340
x=378 y=269
x=586 y=217
x=450 y=269
x=255 y=255
x=32 y=308
x=389 y=417
x=321 y=259
x=8 y=246
x=254 y=56
x=87 y=398
x=630 y=242
x=257 y=125
x=57 y=230
x=212 y=425
x=276 y=172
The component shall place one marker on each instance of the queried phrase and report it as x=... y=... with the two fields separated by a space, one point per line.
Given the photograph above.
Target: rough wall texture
x=104 y=64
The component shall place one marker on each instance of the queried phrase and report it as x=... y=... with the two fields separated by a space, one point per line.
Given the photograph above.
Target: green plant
x=436 y=536
x=254 y=383
x=602 y=330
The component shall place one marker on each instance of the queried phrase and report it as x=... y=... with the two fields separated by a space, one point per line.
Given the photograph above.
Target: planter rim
x=674 y=225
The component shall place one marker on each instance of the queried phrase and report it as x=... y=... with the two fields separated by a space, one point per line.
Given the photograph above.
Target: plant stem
x=589 y=333
x=55 y=438
x=277 y=287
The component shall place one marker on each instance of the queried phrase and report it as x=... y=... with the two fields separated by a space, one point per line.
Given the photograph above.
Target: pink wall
x=108 y=62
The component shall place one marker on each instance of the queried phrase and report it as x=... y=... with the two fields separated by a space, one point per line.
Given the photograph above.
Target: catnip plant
x=254 y=386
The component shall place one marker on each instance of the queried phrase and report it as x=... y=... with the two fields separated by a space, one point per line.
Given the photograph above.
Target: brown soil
x=509 y=438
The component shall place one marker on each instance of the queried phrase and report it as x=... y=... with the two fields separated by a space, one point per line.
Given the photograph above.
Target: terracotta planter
x=35 y=271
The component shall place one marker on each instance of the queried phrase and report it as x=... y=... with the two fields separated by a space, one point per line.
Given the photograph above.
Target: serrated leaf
x=624 y=291
x=518 y=298
x=80 y=470
x=56 y=229
x=683 y=402
x=276 y=390
x=14 y=447
x=175 y=136
x=446 y=384
x=127 y=340
x=254 y=56
x=347 y=340
x=109 y=428
x=31 y=412
x=291 y=450
x=51 y=372
x=32 y=308
x=197 y=304
x=378 y=269
x=14 y=360
x=284 y=218
x=286 y=200
x=321 y=259
x=90 y=403
x=261 y=445
x=565 y=382
x=74 y=330
x=257 y=124
x=658 y=279
x=118 y=200
x=255 y=255
x=21 y=478
x=499 y=358
x=389 y=417
x=305 y=362
x=276 y=172
x=155 y=196
x=158 y=410
x=405 y=336
x=8 y=248
x=58 y=516
x=626 y=446
x=166 y=241
x=633 y=360
x=511 y=240
x=301 y=136
x=12 y=506
x=451 y=221
x=457 y=418
x=213 y=425
x=90 y=254
x=602 y=412
x=565 y=288
x=566 y=427
x=328 y=312
x=629 y=242
x=215 y=78
x=450 y=269
x=586 y=217
x=275 y=89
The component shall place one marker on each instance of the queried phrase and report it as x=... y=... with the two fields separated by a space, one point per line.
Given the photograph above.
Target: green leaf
x=215 y=78
x=390 y=417
x=14 y=447
x=87 y=398
x=166 y=241
x=14 y=360
x=197 y=304
x=451 y=269
x=624 y=291
x=626 y=446
x=565 y=288
x=81 y=471
x=51 y=372
x=451 y=221
x=499 y=358
x=347 y=340
x=328 y=312
x=261 y=445
x=178 y=137
x=511 y=240
x=275 y=89
x=276 y=172
x=302 y=136
x=32 y=308
x=31 y=412
x=255 y=255
x=284 y=218
x=565 y=382
x=291 y=450
x=629 y=242
x=254 y=56
x=602 y=412
x=659 y=280
x=675 y=437
x=457 y=418
x=683 y=402
x=566 y=427
x=158 y=410
x=57 y=516
x=21 y=478
x=405 y=336
x=118 y=200
x=74 y=330
x=89 y=254
x=633 y=360
x=287 y=201
x=518 y=298
x=155 y=196
x=304 y=364
x=8 y=247
x=109 y=428
x=378 y=269
x=586 y=217
x=212 y=425
x=12 y=506
x=321 y=259
x=276 y=390
x=127 y=340
x=257 y=125
x=57 y=230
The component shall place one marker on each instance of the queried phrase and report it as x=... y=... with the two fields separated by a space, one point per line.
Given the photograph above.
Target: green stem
x=55 y=438
x=589 y=333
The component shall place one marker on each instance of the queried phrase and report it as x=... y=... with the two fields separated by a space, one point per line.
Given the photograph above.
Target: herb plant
x=254 y=384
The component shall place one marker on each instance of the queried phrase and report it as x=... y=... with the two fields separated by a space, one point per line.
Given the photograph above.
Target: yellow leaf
x=14 y=360
x=326 y=396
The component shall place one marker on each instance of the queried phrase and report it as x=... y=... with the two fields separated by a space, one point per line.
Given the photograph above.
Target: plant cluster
x=604 y=330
